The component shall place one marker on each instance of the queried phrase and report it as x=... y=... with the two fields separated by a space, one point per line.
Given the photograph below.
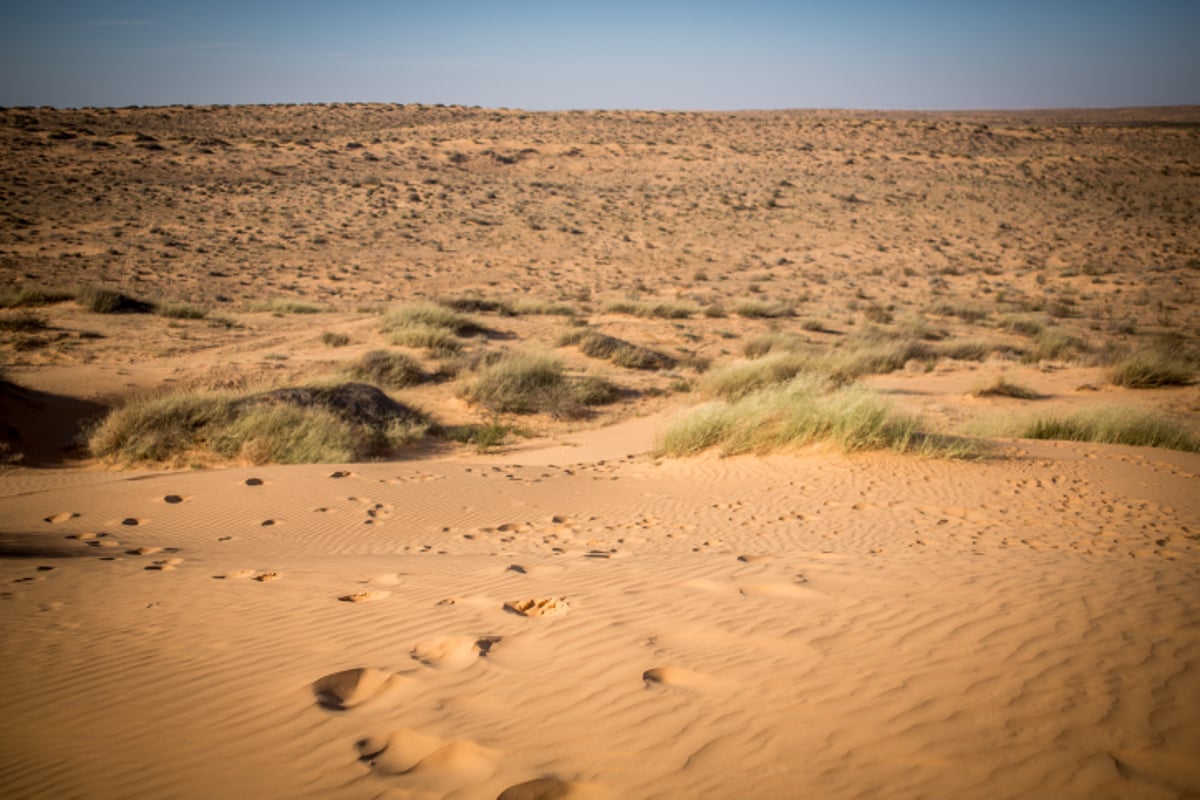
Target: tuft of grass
x=486 y=438
x=877 y=358
x=801 y=413
x=1113 y=426
x=100 y=300
x=618 y=351
x=429 y=315
x=477 y=304
x=773 y=342
x=338 y=423
x=741 y=378
x=282 y=306
x=1053 y=345
x=1001 y=387
x=1151 y=369
x=334 y=339
x=173 y=310
x=659 y=310
x=29 y=296
x=758 y=309
x=529 y=382
x=387 y=369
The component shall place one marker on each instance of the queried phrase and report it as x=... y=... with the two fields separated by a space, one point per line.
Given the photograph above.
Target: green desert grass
x=1112 y=426
x=528 y=382
x=803 y=412
x=432 y=326
x=387 y=369
x=741 y=378
x=323 y=424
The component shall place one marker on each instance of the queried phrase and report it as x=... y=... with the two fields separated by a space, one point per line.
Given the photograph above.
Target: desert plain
x=564 y=593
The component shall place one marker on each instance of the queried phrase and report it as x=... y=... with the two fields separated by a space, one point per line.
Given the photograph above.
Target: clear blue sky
x=558 y=55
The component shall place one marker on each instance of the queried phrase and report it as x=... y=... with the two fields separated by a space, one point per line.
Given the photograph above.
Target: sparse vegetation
x=758 y=309
x=1154 y=368
x=284 y=306
x=1113 y=426
x=528 y=382
x=173 y=310
x=387 y=369
x=620 y=352
x=660 y=310
x=26 y=295
x=1002 y=387
x=798 y=414
x=101 y=300
x=334 y=339
x=23 y=322
x=338 y=423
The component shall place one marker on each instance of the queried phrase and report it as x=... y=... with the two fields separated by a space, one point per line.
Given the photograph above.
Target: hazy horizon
x=540 y=56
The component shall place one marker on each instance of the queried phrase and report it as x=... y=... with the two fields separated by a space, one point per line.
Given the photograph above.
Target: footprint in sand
x=538 y=606
x=166 y=565
x=238 y=574
x=453 y=653
x=364 y=597
x=351 y=688
x=430 y=762
x=54 y=519
x=254 y=481
x=341 y=474
x=173 y=499
x=267 y=576
x=133 y=521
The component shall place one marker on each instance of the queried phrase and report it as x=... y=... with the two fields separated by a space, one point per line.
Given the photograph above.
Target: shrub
x=429 y=315
x=387 y=369
x=620 y=352
x=1053 y=344
x=1113 y=426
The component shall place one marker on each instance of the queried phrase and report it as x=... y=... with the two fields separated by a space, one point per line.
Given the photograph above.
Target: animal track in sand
x=174 y=499
x=453 y=653
x=351 y=688
x=254 y=481
x=166 y=565
x=341 y=474
x=429 y=761
x=377 y=513
x=267 y=576
x=64 y=516
x=133 y=521
x=365 y=597
x=237 y=574
x=538 y=607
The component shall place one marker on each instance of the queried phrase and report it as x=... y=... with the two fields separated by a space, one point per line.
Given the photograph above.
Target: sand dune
x=811 y=625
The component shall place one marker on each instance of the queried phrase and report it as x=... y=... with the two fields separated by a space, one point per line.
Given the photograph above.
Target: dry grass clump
x=109 y=301
x=280 y=306
x=174 y=310
x=798 y=414
x=1002 y=387
x=478 y=304
x=1170 y=361
x=529 y=382
x=429 y=325
x=659 y=310
x=875 y=355
x=1053 y=344
x=339 y=423
x=334 y=339
x=773 y=342
x=742 y=378
x=1024 y=324
x=26 y=296
x=620 y=352
x=1113 y=426
x=387 y=369
x=758 y=309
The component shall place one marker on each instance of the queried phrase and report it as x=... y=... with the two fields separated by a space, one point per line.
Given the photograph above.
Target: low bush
x=109 y=301
x=26 y=296
x=173 y=310
x=1151 y=369
x=532 y=382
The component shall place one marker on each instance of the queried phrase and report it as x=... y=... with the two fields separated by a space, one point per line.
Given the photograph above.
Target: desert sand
x=571 y=614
